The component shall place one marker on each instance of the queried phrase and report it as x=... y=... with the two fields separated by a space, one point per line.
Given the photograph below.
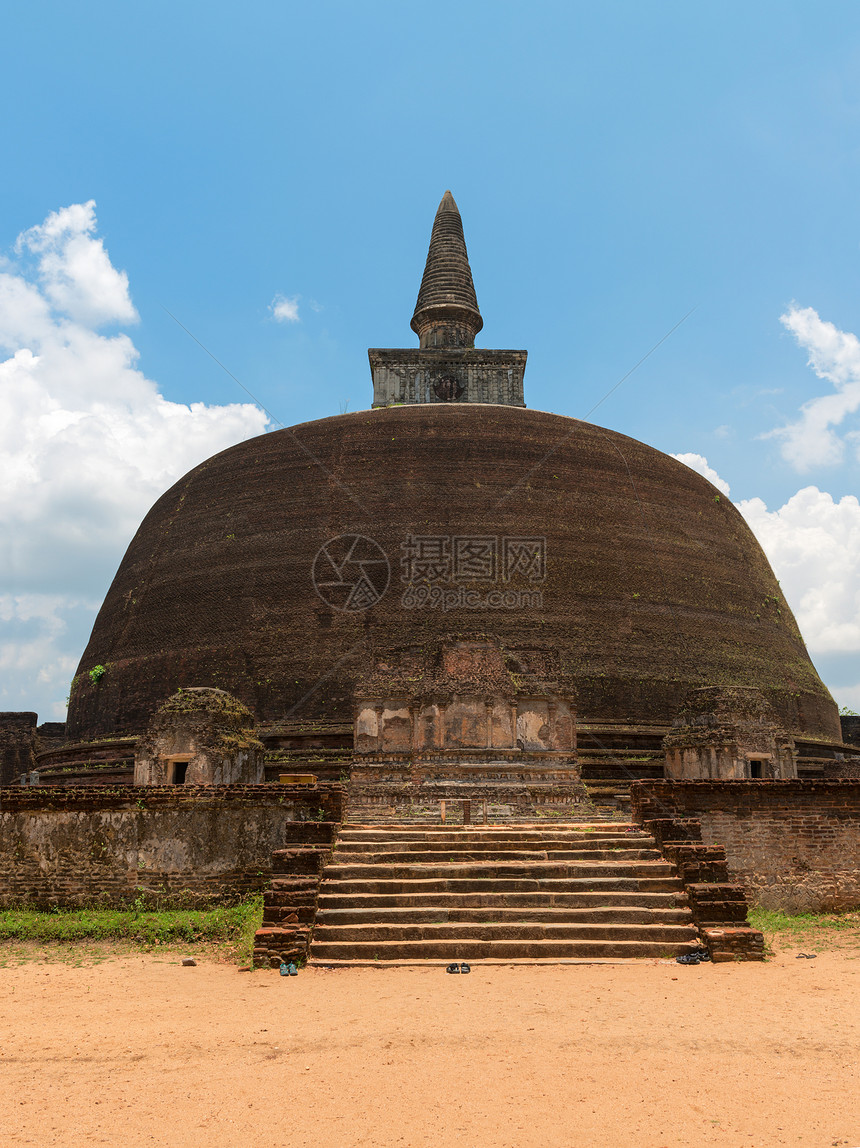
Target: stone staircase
x=571 y=891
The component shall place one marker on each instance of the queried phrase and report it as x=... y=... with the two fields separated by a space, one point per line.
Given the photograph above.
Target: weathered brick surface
x=675 y=830
x=734 y=944
x=74 y=846
x=182 y=611
x=715 y=901
x=850 y=724
x=290 y=902
x=795 y=845
x=17 y=745
x=696 y=861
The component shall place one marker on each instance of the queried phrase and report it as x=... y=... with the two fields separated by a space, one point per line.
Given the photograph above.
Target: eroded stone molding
x=468 y=696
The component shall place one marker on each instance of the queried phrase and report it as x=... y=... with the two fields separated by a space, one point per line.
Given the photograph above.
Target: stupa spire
x=446 y=314
x=447 y=367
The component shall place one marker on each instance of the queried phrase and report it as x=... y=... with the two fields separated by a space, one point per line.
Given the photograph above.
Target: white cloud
x=699 y=464
x=848 y=696
x=813 y=544
x=285 y=310
x=75 y=270
x=87 y=444
x=43 y=637
x=833 y=355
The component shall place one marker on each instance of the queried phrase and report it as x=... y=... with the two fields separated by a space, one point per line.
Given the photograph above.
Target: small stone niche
x=200 y=736
x=729 y=734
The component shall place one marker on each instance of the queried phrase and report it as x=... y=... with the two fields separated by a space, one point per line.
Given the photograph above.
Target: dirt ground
x=138 y=1050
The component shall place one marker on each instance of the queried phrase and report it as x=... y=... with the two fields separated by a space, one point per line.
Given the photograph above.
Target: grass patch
x=815 y=931
x=230 y=928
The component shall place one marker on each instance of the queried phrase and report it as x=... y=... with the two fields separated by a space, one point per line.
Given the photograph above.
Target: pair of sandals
x=696 y=957
x=289 y=970
x=458 y=969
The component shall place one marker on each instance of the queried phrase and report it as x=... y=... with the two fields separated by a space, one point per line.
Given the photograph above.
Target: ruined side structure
x=729 y=734
x=199 y=736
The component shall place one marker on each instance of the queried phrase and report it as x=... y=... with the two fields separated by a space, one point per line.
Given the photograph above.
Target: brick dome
x=277 y=569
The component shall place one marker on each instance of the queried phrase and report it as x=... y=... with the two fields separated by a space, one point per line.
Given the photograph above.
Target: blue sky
x=616 y=166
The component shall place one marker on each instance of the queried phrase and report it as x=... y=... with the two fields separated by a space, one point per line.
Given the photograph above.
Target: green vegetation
x=97 y=673
x=807 y=930
x=234 y=925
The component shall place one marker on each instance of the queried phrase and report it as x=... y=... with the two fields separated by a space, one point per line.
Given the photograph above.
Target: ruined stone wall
x=795 y=845
x=17 y=745
x=75 y=846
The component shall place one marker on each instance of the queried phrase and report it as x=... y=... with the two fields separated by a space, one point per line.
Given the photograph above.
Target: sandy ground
x=140 y=1051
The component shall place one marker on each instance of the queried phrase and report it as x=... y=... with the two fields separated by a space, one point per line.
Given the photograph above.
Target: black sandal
x=465 y=969
x=453 y=969
x=688 y=959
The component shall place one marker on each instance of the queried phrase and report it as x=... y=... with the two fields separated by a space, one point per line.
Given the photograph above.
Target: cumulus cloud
x=87 y=444
x=699 y=463
x=834 y=355
x=813 y=544
x=76 y=273
x=285 y=310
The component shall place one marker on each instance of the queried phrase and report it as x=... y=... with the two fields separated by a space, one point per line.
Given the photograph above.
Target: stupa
x=448 y=588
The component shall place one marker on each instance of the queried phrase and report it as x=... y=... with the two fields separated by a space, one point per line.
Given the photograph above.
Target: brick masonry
x=290 y=903
x=443 y=469
x=76 y=846
x=794 y=845
x=17 y=745
x=718 y=905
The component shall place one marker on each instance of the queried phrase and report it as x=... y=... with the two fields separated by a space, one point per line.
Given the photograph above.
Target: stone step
x=484 y=870
x=510 y=840
x=454 y=855
x=502 y=914
x=530 y=891
x=539 y=898
x=609 y=814
x=504 y=931
x=470 y=949
x=402 y=829
x=475 y=964
x=549 y=885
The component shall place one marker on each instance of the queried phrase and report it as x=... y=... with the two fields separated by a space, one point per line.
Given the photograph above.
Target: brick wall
x=795 y=845
x=75 y=846
x=850 y=724
x=17 y=744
